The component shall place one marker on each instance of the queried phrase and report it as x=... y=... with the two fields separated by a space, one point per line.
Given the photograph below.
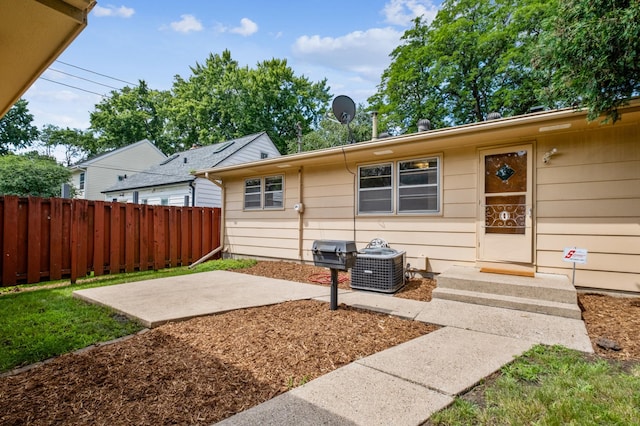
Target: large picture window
x=264 y=193
x=408 y=186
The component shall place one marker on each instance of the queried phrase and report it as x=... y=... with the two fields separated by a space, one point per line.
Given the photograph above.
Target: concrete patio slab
x=384 y=303
x=449 y=360
x=155 y=302
x=354 y=394
x=539 y=328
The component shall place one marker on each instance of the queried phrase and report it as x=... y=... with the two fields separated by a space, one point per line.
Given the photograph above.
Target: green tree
x=222 y=100
x=130 y=115
x=331 y=133
x=592 y=54
x=31 y=174
x=473 y=59
x=73 y=141
x=16 y=130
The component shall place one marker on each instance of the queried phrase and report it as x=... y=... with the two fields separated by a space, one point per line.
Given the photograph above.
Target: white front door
x=505 y=213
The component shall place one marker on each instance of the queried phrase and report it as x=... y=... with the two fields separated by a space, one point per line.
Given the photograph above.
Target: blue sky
x=347 y=42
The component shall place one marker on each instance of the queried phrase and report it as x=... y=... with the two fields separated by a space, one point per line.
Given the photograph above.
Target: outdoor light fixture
x=548 y=155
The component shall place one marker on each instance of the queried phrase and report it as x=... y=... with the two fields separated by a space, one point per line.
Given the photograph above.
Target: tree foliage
x=592 y=55
x=473 y=59
x=74 y=142
x=331 y=133
x=31 y=174
x=128 y=116
x=222 y=100
x=16 y=130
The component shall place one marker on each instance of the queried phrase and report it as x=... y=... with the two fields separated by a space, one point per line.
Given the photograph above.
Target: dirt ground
x=206 y=369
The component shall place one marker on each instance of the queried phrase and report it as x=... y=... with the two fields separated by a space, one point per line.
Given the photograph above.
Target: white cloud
x=187 y=24
x=113 y=11
x=362 y=52
x=402 y=12
x=247 y=27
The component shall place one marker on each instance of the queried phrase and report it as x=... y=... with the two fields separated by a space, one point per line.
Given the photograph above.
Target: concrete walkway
x=403 y=385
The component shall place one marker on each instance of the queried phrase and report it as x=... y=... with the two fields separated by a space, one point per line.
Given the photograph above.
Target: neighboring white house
x=172 y=183
x=91 y=177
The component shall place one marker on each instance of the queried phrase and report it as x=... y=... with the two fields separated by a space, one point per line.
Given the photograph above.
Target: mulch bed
x=206 y=369
x=202 y=370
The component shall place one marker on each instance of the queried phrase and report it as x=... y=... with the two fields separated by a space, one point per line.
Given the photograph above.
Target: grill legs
x=334 y=289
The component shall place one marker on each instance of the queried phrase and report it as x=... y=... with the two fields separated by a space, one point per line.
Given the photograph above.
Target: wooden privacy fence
x=52 y=238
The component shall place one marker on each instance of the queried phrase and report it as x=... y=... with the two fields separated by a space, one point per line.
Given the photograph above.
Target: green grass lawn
x=553 y=386
x=42 y=323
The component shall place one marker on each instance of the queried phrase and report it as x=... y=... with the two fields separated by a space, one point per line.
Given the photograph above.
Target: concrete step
x=549 y=287
x=565 y=310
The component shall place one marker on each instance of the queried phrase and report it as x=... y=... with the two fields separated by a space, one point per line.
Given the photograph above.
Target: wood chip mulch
x=616 y=319
x=206 y=369
x=202 y=370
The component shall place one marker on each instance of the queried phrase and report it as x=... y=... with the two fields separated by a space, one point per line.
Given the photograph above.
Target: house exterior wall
x=586 y=196
x=252 y=152
x=171 y=195
x=207 y=193
x=431 y=241
x=103 y=172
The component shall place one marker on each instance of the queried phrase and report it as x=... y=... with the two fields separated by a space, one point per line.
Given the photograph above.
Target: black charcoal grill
x=337 y=255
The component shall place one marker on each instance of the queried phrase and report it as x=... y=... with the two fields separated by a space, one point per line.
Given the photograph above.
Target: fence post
x=10 y=241
x=34 y=241
x=98 y=238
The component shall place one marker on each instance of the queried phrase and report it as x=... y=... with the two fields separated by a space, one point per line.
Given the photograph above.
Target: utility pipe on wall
x=300 y=218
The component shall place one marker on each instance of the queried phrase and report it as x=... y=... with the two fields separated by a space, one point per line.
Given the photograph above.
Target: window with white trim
x=81 y=186
x=407 y=186
x=418 y=186
x=252 y=193
x=376 y=189
x=264 y=193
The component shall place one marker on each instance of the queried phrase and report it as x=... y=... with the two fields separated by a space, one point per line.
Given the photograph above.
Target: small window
x=418 y=186
x=264 y=193
x=273 y=192
x=81 y=187
x=263 y=155
x=375 y=189
x=164 y=202
x=252 y=193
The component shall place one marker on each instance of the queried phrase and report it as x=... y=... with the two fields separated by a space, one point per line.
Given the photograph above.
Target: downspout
x=300 y=217
x=192 y=184
x=223 y=198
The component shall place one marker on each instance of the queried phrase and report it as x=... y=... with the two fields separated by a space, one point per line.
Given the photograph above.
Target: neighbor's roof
x=482 y=134
x=178 y=167
x=34 y=33
x=121 y=150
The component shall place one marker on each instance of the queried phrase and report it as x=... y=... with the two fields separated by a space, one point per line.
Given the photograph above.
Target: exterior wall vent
x=424 y=125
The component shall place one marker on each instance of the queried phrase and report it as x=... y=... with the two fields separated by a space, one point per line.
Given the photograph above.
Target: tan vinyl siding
x=588 y=196
x=329 y=196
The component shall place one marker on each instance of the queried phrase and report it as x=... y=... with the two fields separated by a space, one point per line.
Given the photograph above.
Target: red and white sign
x=575 y=255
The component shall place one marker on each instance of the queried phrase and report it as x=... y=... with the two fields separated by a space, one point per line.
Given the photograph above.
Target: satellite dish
x=345 y=110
